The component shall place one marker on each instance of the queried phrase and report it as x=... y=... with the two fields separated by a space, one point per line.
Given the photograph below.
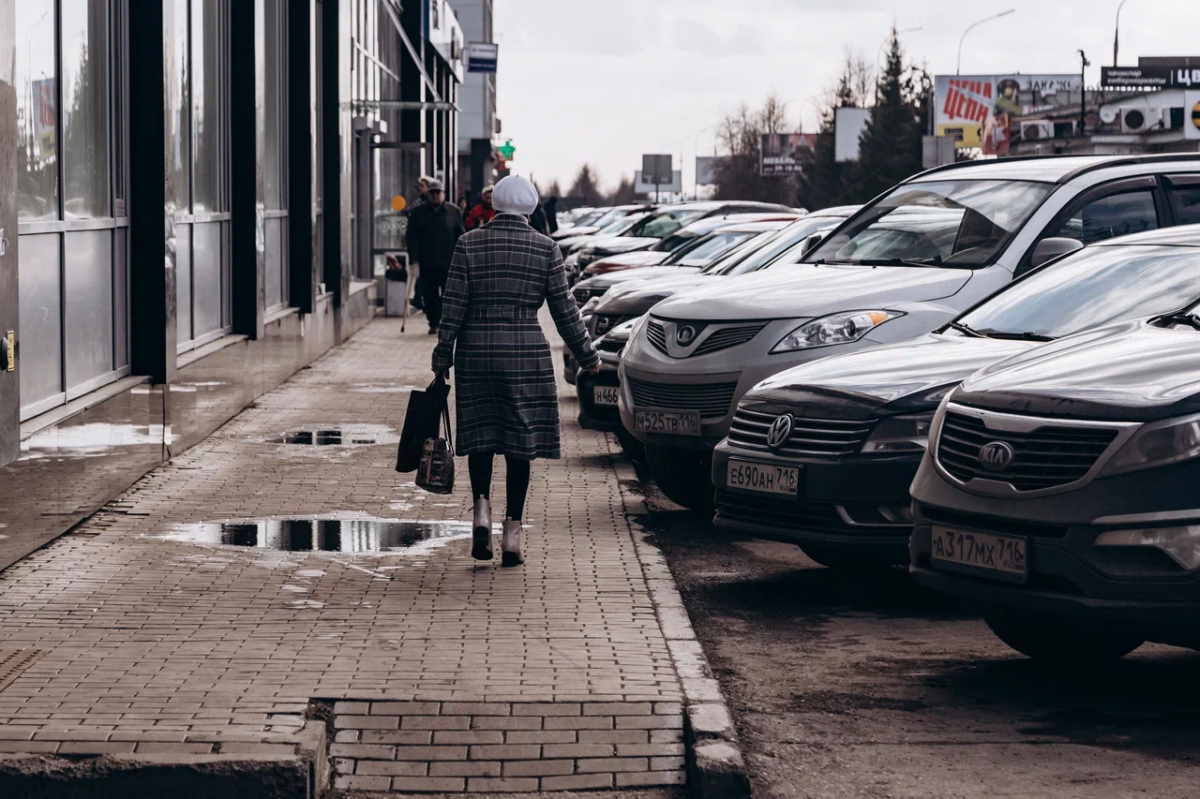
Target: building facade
x=191 y=193
x=478 y=124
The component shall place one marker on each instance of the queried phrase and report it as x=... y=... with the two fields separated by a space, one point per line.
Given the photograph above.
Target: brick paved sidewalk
x=447 y=675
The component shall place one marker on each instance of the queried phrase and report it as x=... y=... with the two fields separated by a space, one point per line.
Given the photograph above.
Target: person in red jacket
x=482 y=214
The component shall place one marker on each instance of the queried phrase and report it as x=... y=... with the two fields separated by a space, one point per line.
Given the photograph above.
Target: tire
x=684 y=476
x=845 y=561
x=1060 y=642
x=633 y=449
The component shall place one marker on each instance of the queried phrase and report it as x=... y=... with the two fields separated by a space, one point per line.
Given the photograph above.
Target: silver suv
x=903 y=266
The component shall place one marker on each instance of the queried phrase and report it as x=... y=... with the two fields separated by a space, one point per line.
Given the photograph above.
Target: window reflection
x=85 y=108
x=37 y=112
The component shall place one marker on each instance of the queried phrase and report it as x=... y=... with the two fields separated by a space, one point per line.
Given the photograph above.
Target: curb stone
x=716 y=767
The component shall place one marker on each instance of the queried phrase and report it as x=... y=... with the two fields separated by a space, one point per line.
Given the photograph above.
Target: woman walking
x=507 y=400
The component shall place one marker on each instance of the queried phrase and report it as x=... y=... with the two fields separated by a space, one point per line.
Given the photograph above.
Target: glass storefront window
x=85 y=109
x=37 y=111
x=208 y=72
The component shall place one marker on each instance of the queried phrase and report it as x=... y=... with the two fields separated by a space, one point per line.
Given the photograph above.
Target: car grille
x=721 y=339
x=826 y=437
x=711 y=399
x=787 y=516
x=1047 y=457
x=657 y=335
x=728 y=337
x=606 y=322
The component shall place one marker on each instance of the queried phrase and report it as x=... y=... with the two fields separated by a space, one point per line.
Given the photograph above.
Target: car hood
x=620 y=244
x=627 y=275
x=634 y=259
x=1133 y=371
x=910 y=377
x=641 y=295
x=575 y=241
x=807 y=291
x=574 y=232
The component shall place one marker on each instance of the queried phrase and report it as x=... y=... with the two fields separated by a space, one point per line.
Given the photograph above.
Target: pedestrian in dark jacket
x=551 y=207
x=422 y=198
x=433 y=232
x=507 y=399
x=537 y=220
x=482 y=213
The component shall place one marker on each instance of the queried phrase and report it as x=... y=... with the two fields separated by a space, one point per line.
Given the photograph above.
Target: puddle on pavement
x=338 y=435
x=351 y=535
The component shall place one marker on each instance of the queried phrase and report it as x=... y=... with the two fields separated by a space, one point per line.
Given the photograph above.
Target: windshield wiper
x=1027 y=336
x=966 y=329
x=924 y=264
x=1182 y=318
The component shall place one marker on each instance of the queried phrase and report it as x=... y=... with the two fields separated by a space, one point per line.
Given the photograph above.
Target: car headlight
x=900 y=434
x=830 y=331
x=1181 y=544
x=1158 y=444
x=624 y=330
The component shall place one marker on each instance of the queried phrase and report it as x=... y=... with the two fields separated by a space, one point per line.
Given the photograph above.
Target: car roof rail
x=1115 y=160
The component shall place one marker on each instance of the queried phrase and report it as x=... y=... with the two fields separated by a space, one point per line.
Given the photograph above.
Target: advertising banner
x=1150 y=77
x=482 y=56
x=707 y=167
x=782 y=153
x=1191 y=113
x=981 y=110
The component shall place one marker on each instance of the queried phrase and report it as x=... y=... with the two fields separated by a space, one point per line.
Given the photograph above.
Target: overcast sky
x=603 y=81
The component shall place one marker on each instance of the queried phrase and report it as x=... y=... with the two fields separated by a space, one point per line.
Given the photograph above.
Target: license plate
x=607 y=395
x=1000 y=556
x=674 y=423
x=763 y=478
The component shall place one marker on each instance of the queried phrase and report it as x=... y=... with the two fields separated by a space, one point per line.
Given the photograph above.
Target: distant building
x=477 y=121
x=1118 y=123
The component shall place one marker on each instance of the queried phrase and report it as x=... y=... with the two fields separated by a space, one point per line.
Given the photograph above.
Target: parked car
x=598 y=393
x=903 y=266
x=666 y=221
x=570 y=246
x=603 y=220
x=1059 y=492
x=823 y=454
x=574 y=217
x=784 y=244
x=693 y=257
x=584 y=224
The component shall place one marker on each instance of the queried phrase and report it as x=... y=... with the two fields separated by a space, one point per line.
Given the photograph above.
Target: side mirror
x=811 y=243
x=1053 y=248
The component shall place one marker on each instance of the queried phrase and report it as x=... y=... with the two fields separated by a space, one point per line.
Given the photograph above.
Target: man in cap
x=433 y=232
x=482 y=213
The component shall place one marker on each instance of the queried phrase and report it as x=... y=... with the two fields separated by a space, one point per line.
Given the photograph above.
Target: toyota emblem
x=996 y=456
x=685 y=335
x=780 y=431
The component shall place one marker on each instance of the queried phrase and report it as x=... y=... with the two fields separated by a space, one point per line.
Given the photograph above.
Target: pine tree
x=890 y=149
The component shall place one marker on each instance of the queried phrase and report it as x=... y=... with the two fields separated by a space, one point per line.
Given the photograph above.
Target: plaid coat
x=507 y=398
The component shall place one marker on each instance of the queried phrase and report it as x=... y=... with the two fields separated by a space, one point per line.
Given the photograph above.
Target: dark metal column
x=331 y=156
x=248 y=278
x=301 y=278
x=152 y=263
x=10 y=384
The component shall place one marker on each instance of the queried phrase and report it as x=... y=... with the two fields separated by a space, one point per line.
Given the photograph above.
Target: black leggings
x=480 y=466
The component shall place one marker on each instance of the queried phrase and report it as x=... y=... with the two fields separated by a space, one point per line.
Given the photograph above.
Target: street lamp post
x=973 y=26
x=1117 y=32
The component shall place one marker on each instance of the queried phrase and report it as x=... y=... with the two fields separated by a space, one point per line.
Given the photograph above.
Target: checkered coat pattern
x=507 y=398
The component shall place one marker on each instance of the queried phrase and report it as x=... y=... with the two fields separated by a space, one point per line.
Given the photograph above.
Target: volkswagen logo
x=996 y=456
x=780 y=431
x=685 y=335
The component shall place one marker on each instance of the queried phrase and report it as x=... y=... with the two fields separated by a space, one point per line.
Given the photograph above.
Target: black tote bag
x=422 y=422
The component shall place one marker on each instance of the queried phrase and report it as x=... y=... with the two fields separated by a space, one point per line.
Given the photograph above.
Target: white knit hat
x=515 y=195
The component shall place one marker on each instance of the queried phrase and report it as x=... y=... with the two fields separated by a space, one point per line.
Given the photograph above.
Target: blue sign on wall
x=482 y=56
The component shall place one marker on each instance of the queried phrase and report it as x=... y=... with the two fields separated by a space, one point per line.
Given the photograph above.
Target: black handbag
x=436 y=472
x=422 y=422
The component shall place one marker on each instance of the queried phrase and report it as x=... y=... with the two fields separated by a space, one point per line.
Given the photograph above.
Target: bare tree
x=739 y=137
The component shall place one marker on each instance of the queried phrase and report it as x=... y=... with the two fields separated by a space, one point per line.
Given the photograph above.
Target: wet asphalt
x=848 y=686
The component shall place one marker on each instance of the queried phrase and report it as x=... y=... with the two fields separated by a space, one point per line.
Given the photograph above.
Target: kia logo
x=686 y=335
x=780 y=431
x=996 y=456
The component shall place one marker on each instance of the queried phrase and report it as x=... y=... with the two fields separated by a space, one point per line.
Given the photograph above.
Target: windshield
x=961 y=223
x=612 y=216
x=620 y=226
x=1089 y=289
x=731 y=261
x=656 y=226
x=676 y=240
x=709 y=248
x=589 y=219
x=785 y=243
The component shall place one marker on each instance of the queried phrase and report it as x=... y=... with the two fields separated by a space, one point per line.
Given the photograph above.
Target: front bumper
x=841 y=504
x=1134 y=589
x=591 y=415
x=745 y=365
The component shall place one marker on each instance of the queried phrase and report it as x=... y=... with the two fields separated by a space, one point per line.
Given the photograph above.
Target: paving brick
x=614 y=736
x=619 y=709
x=466 y=768
x=29 y=747
x=477 y=709
x=650 y=750
x=524 y=723
x=389 y=768
x=581 y=723
x=435 y=723
x=404 y=708
x=352 y=708
x=502 y=785
x=405 y=737
x=540 y=737
x=649 y=722
x=578 y=782
x=366 y=751
x=613 y=764
x=538 y=768
x=506 y=752
x=577 y=750
x=552 y=709
x=161 y=748
x=96 y=748
x=366 y=722
x=470 y=737
x=651 y=778
x=427 y=784
x=431 y=753
x=356 y=783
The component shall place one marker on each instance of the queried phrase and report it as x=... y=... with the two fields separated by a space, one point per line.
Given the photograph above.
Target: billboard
x=643 y=186
x=657 y=169
x=707 y=167
x=1149 y=77
x=482 y=56
x=849 y=124
x=782 y=153
x=981 y=110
